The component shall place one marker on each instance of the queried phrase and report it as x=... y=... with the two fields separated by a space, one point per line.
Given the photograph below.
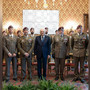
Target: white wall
x=39 y=19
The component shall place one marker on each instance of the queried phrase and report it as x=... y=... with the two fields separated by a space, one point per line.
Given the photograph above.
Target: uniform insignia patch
x=22 y=40
x=30 y=40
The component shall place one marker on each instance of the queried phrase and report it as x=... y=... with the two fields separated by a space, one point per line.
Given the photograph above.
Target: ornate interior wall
x=70 y=11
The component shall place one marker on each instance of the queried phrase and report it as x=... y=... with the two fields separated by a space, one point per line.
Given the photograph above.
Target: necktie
x=11 y=36
x=61 y=35
x=42 y=38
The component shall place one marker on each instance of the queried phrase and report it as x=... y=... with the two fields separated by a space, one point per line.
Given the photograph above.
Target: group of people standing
x=42 y=45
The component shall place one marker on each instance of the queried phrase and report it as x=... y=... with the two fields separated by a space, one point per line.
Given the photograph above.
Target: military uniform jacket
x=10 y=44
x=33 y=37
x=79 y=44
x=25 y=45
x=59 y=46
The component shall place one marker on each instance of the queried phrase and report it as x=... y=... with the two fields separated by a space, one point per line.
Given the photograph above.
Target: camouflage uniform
x=26 y=45
x=79 y=44
x=10 y=46
x=59 y=48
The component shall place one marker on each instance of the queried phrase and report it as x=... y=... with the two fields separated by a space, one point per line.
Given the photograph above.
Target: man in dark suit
x=42 y=51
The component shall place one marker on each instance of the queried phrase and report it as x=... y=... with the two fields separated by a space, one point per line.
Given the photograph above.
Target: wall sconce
x=15 y=25
x=24 y=0
x=65 y=0
x=71 y=25
x=28 y=2
x=60 y=3
x=36 y=2
x=53 y=2
x=45 y=5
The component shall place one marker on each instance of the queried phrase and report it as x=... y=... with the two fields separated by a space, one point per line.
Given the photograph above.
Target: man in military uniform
x=25 y=46
x=59 y=49
x=87 y=54
x=33 y=37
x=46 y=33
x=3 y=35
x=32 y=33
x=70 y=51
x=19 y=33
x=10 y=49
x=70 y=37
x=3 y=57
x=18 y=36
x=56 y=32
x=79 y=44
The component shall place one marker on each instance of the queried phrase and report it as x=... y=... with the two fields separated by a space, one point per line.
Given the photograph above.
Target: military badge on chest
x=84 y=39
x=57 y=39
x=30 y=40
x=62 y=39
x=65 y=40
x=22 y=41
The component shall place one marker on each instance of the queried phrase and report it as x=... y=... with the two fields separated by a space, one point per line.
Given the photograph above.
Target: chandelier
x=45 y=5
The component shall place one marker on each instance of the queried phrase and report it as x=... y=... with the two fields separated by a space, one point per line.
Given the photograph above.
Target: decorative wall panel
x=72 y=10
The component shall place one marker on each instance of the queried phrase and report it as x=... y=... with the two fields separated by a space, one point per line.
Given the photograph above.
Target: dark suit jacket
x=42 y=48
